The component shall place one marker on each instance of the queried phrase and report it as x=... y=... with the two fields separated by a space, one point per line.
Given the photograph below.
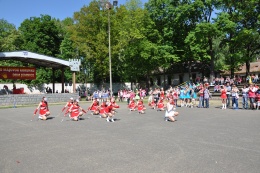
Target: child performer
x=94 y=107
x=223 y=96
x=102 y=109
x=194 y=98
x=175 y=95
x=170 y=112
x=44 y=110
x=140 y=107
x=151 y=102
x=160 y=105
x=109 y=112
x=182 y=96
x=76 y=111
x=113 y=102
x=132 y=105
x=68 y=105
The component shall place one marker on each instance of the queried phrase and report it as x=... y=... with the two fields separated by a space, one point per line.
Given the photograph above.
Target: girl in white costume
x=170 y=112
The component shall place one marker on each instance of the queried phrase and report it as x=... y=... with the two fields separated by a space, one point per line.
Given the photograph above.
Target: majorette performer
x=44 y=110
x=160 y=105
x=68 y=105
x=102 y=109
x=140 y=107
x=170 y=112
x=109 y=112
x=76 y=111
x=132 y=105
x=94 y=107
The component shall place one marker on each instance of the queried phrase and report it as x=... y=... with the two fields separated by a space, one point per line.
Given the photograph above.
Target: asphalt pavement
x=200 y=141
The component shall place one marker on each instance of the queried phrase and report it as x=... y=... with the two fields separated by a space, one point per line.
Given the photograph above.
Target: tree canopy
x=146 y=39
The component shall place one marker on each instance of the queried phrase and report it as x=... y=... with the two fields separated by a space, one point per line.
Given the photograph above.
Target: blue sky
x=16 y=11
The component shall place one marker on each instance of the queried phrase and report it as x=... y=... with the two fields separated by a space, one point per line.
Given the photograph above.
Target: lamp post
x=107 y=5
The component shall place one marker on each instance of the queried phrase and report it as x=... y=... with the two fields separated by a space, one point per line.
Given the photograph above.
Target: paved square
x=202 y=140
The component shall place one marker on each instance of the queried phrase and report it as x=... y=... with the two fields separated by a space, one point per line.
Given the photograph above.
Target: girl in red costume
x=132 y=105
x=44 y=110
x=160 y=105
x=113 y=102
x=151 y=102
x=162 y=94
x=140 y=107
x=68 y=105
x=223 y=96
x=94 y=107
x=76 y=111
x=102 y=109
x=109 y=112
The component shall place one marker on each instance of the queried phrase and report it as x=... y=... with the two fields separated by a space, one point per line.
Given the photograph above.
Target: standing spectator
x=205 y=80
x=255 y=79
x=257 y=99
x=251 y=96
x=228 y=87
x=201 y=98
x=198 y=79
x=234 y=94
x=245 y=96
x=206 y=97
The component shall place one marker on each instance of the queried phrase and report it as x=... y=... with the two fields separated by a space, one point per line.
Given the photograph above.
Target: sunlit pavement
x=201 y=140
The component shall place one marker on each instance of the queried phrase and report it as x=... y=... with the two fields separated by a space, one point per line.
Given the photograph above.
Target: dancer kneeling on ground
x=76 y=111
x=68 y=105
x=109 y=112
x=160 y=105
x=151 y=102
x=115 y=106
x=44 y=110
x=140 y=107
x=132 y=105
x=94 y=107
x=170 y=112
x=102 y=109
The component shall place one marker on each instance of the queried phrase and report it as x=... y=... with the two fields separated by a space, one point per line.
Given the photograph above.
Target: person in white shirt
x=170 y=112
x=245 y=96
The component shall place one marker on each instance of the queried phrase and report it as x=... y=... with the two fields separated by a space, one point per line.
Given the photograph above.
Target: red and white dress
x=152 y=104
x=223 y=94
x=114 y=105
x=102 y=108
x=140 y=106
x=132 y=105
x=160 y=105
x=108 y=109
x=162 y=94
x=74 y=111
x=43 y=108
x=69 y=104
x=94 y=106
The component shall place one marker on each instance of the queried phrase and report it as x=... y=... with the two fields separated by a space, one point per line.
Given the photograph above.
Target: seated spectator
x=255 y=80
x=217 y=88
x=257 y=99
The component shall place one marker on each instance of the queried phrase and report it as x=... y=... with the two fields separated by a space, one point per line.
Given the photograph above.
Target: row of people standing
x=230 y=96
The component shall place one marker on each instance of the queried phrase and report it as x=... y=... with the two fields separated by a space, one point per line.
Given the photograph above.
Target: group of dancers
x=107 y=109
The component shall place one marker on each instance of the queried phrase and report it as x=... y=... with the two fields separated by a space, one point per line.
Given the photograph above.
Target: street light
x=107 y=5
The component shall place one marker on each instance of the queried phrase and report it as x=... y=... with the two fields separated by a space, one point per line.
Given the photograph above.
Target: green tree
x=41 y=35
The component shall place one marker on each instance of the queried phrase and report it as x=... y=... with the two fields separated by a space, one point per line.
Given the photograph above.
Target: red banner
x=18 y=73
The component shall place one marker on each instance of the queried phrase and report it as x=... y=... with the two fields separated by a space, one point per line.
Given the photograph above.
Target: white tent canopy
x=39 y=61
x=34 y=58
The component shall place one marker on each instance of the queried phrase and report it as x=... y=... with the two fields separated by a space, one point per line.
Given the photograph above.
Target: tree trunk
x=212 y=60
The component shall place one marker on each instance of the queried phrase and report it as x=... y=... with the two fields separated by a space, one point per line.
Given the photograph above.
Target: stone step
x=28 y=99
